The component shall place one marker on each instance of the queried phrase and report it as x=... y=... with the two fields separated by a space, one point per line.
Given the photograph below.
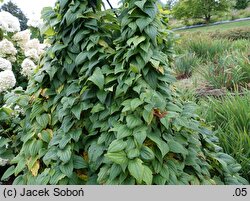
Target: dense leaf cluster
x=103 y=108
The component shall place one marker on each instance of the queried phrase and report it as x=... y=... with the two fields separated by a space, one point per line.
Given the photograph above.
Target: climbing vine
x=104 y=109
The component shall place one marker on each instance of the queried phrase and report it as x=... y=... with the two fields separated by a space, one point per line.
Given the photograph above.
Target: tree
x=170 y=3
x=201 y=8
x=102 y=109
x=17 y=12
x=241 y=4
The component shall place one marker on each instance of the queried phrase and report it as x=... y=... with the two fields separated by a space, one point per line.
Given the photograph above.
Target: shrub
x=236 y=144
x=203 y=46
x=19 y=56
x=231 y=116
x=242 y=45
x=232 y=34
x=184 y=65
x=10 y=116
x=241 y=4
x=228 y=71
x=100 y=116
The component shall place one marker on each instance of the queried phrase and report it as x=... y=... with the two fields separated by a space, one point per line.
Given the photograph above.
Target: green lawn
x=219 y=27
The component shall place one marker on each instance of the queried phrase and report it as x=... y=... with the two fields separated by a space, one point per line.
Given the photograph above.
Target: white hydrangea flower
x=5 y=64
x=32 y=54
x=8 y=22
x=22 y=37
x=7 y=50
x=35 y=22
x=35 y=44
x=3 y=161
x=7 y=80
x=28 y=67
x=19 y=110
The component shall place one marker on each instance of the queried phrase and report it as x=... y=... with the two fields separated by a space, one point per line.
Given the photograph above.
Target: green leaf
x=97 y=108
x=139 y=40
x=79 y=162
x=69 y=67
x=147 y=175
x=133 y=121
x=143 y=22
x=35 y=146
x=75 y=134
x=173 y=107
x=147 y=154
x=155 y=63
x=148 y=115
x=20 y=166
x=117 y=157
x=64 y=141
x=36 y=110
x=103 y=174
x=10 y=171
x=67 y=168
x=67 y=123
x=76 y=110
x=135 y=103
x=43 y=120
x=49 y=31
x=50 y=155
x=123 y=131
x=19 y=180
x=56 y=177
x=65 y=154
x=58 y=47
x=165 y=172
x=151 y=31
x=73 y=88
x=131 y=40
x=97 y=78
x=70 y=17
x=140 y=134
x=166 y=121
x=44 y=177
x=81 y=58
x=117 y=145
x=45 y=136
x=159 y=180
x=163 y=146
x=78 y=37
x=63 y=3
x=134 y=68
x=151 y=11
x=102 y=95
x=140 y=4
x=176 y=147
x=145 y=47
x=95 y=151
x=51 y=72
x=103 y=43
x=133 y=153
x=115 y=170
x=136 y=169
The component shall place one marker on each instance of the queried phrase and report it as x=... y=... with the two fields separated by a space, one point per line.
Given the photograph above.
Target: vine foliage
x=103 y=108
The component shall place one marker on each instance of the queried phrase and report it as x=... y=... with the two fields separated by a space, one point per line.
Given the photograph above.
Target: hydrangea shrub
x=19 y=55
